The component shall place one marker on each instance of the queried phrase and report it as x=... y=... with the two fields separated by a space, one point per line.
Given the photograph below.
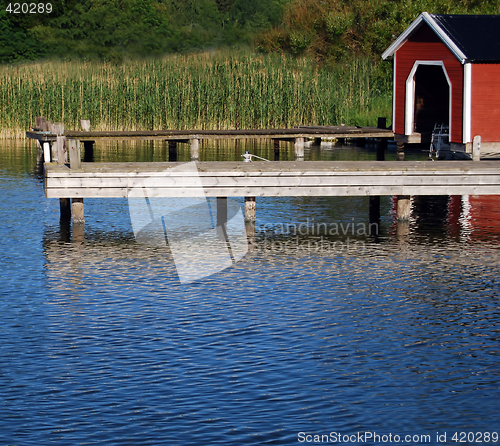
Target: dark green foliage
x=120 y=29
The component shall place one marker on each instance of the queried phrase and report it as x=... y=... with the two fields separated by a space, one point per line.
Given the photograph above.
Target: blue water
x=391 y=333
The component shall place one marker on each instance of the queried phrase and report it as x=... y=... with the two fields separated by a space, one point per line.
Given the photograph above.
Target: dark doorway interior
x=432 y=99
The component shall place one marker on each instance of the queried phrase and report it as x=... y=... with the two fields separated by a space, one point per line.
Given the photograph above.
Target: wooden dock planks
x=187 y=135
x=287 y=178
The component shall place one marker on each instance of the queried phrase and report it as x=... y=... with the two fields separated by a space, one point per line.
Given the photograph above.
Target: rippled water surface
x=395 y=332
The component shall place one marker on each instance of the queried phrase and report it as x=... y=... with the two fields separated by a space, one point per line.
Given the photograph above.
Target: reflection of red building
x=475 y=217
x=484 y=215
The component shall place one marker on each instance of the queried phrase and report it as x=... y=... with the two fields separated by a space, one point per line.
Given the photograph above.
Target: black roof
x=477 y=36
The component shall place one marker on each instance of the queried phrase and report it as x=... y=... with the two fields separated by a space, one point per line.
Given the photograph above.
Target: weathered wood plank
x=278 y=181
x=280 y=191
x=74 y=153
x=300 y=132
x=283 y=168
x=228 y=179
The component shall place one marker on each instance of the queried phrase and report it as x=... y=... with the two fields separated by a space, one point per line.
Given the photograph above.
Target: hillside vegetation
x=338 y=29
x=114 y=30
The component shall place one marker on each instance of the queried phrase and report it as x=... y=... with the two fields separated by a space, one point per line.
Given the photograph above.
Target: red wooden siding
x=486 y=102
x=420 y=48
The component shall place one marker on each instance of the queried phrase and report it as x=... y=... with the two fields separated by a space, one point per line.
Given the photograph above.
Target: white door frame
x=410 y=94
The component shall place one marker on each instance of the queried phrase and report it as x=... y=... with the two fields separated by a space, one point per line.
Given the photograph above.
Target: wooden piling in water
x=299 y=148
x=172 y=151
x=221 y=211
x=65 y=208
x=77 y=210
x=195 y=149
x=400 y=151
x=276 y=145
x=250 y=209
x=403 y=211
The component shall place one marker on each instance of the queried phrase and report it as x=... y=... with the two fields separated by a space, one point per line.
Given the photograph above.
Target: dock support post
x=221 y=211
x=88 y=154
x=375 y=199
x=62 y=152
x=276 y=144
x=250 y=208
x=374 y=209
x=74 y=154
x=317 y=141
x=172 y=151
x=476 y=148
x=46 y=152
x=381 y=147
x=85 y=124
x=299 y=148
x=195 y=149
x=77 y=210
x=400 y=151
x=65 y=207
x=403 y=207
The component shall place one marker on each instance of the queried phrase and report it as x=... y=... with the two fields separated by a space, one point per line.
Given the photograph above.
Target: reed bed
x=205 y=91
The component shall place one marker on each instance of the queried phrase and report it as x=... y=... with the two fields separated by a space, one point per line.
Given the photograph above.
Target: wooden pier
x=49 y=139
x=75 y=181
x=274 y=179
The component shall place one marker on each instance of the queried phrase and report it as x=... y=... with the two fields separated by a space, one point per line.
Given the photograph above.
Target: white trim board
x=427 y=18
x=467 y=111
x=410 y=94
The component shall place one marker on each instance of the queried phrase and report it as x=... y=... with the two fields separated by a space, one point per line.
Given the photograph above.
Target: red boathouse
x=447 y=71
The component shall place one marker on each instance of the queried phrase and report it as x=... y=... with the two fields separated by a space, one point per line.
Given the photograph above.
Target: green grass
x=220 y=90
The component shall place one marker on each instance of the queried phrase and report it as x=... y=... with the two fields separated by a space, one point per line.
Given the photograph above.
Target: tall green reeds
x=205 y=91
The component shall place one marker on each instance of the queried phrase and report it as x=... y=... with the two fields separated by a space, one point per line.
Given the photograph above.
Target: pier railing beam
x=250 y=208
x=195 y=149
x=299 y=148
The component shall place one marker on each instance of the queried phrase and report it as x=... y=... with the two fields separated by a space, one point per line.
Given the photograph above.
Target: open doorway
x=432 y=100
